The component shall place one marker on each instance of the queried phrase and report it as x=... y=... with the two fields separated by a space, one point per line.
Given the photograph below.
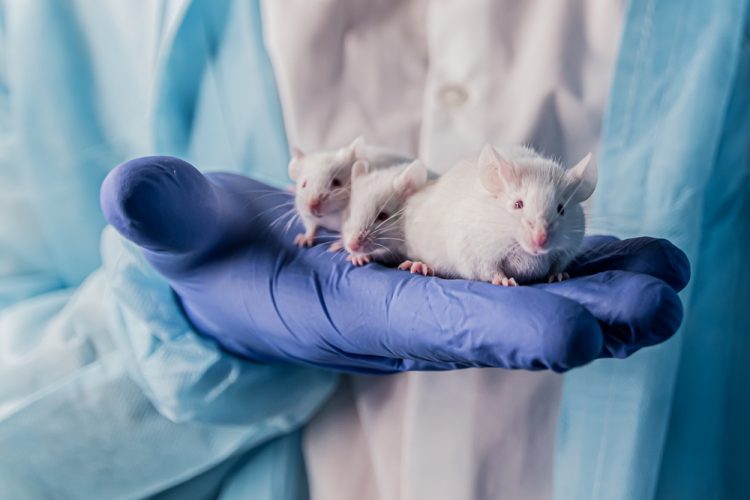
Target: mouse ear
x=295 y=163
x=345 y=154
x=360 y=168
x=357 y=148
x=495 y=172
x=583 y=177
x=412 y=179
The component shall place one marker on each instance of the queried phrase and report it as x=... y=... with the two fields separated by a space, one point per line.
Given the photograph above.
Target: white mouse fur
x=508 y=217
x=373 y=229
x=323 y=183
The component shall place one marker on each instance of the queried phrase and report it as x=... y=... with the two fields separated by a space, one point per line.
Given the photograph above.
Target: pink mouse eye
x=304 y=184
x=518 y=205
x=561 y=209
x=336 y=183
x=383 y=216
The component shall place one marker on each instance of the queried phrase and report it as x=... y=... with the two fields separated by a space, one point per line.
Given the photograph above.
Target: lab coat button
x=453 y=96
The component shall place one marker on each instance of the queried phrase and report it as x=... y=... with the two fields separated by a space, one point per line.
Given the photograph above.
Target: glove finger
x=182 y=218
x=162 y=204
x=653 y=256
x=634 y=310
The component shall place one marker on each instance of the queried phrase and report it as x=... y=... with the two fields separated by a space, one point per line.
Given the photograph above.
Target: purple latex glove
x=222 y=242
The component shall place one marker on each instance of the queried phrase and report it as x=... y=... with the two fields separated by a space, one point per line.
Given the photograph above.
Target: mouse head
x=543 y=197
x=376 y=209
x=323 y=180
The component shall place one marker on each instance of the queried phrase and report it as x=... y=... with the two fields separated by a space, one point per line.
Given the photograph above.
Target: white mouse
x=323 y=184
x=510 y=217
x=373 y=229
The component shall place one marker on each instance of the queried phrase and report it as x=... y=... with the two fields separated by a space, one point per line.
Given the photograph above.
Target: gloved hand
x=224 y=243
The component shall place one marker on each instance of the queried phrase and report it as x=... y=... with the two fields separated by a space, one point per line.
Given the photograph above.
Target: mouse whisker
x=570 y=197
x=282 y=218
x=382 y=225
x=250 y=201
x=265 y=193
x=398 y=213
x=324 y=241
x=290 y=223
x=375 y=215
x=380 y=228
x=385 y=248
x=291 y=213
x=264 y=212
x=389 y=238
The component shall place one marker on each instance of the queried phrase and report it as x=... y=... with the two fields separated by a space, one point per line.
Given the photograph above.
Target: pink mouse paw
x=405 y=265
x=557 y=277
x=304 y=240
x=336 y=246
x=359 y=260
x=503 y=280
x=417 y=267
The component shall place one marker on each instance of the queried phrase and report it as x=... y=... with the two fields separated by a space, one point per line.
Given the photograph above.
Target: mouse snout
x=539 y=238
x=357 y=243
x=316 y=204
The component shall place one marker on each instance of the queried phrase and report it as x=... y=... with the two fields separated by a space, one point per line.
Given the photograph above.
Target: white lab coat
x=438 y=79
